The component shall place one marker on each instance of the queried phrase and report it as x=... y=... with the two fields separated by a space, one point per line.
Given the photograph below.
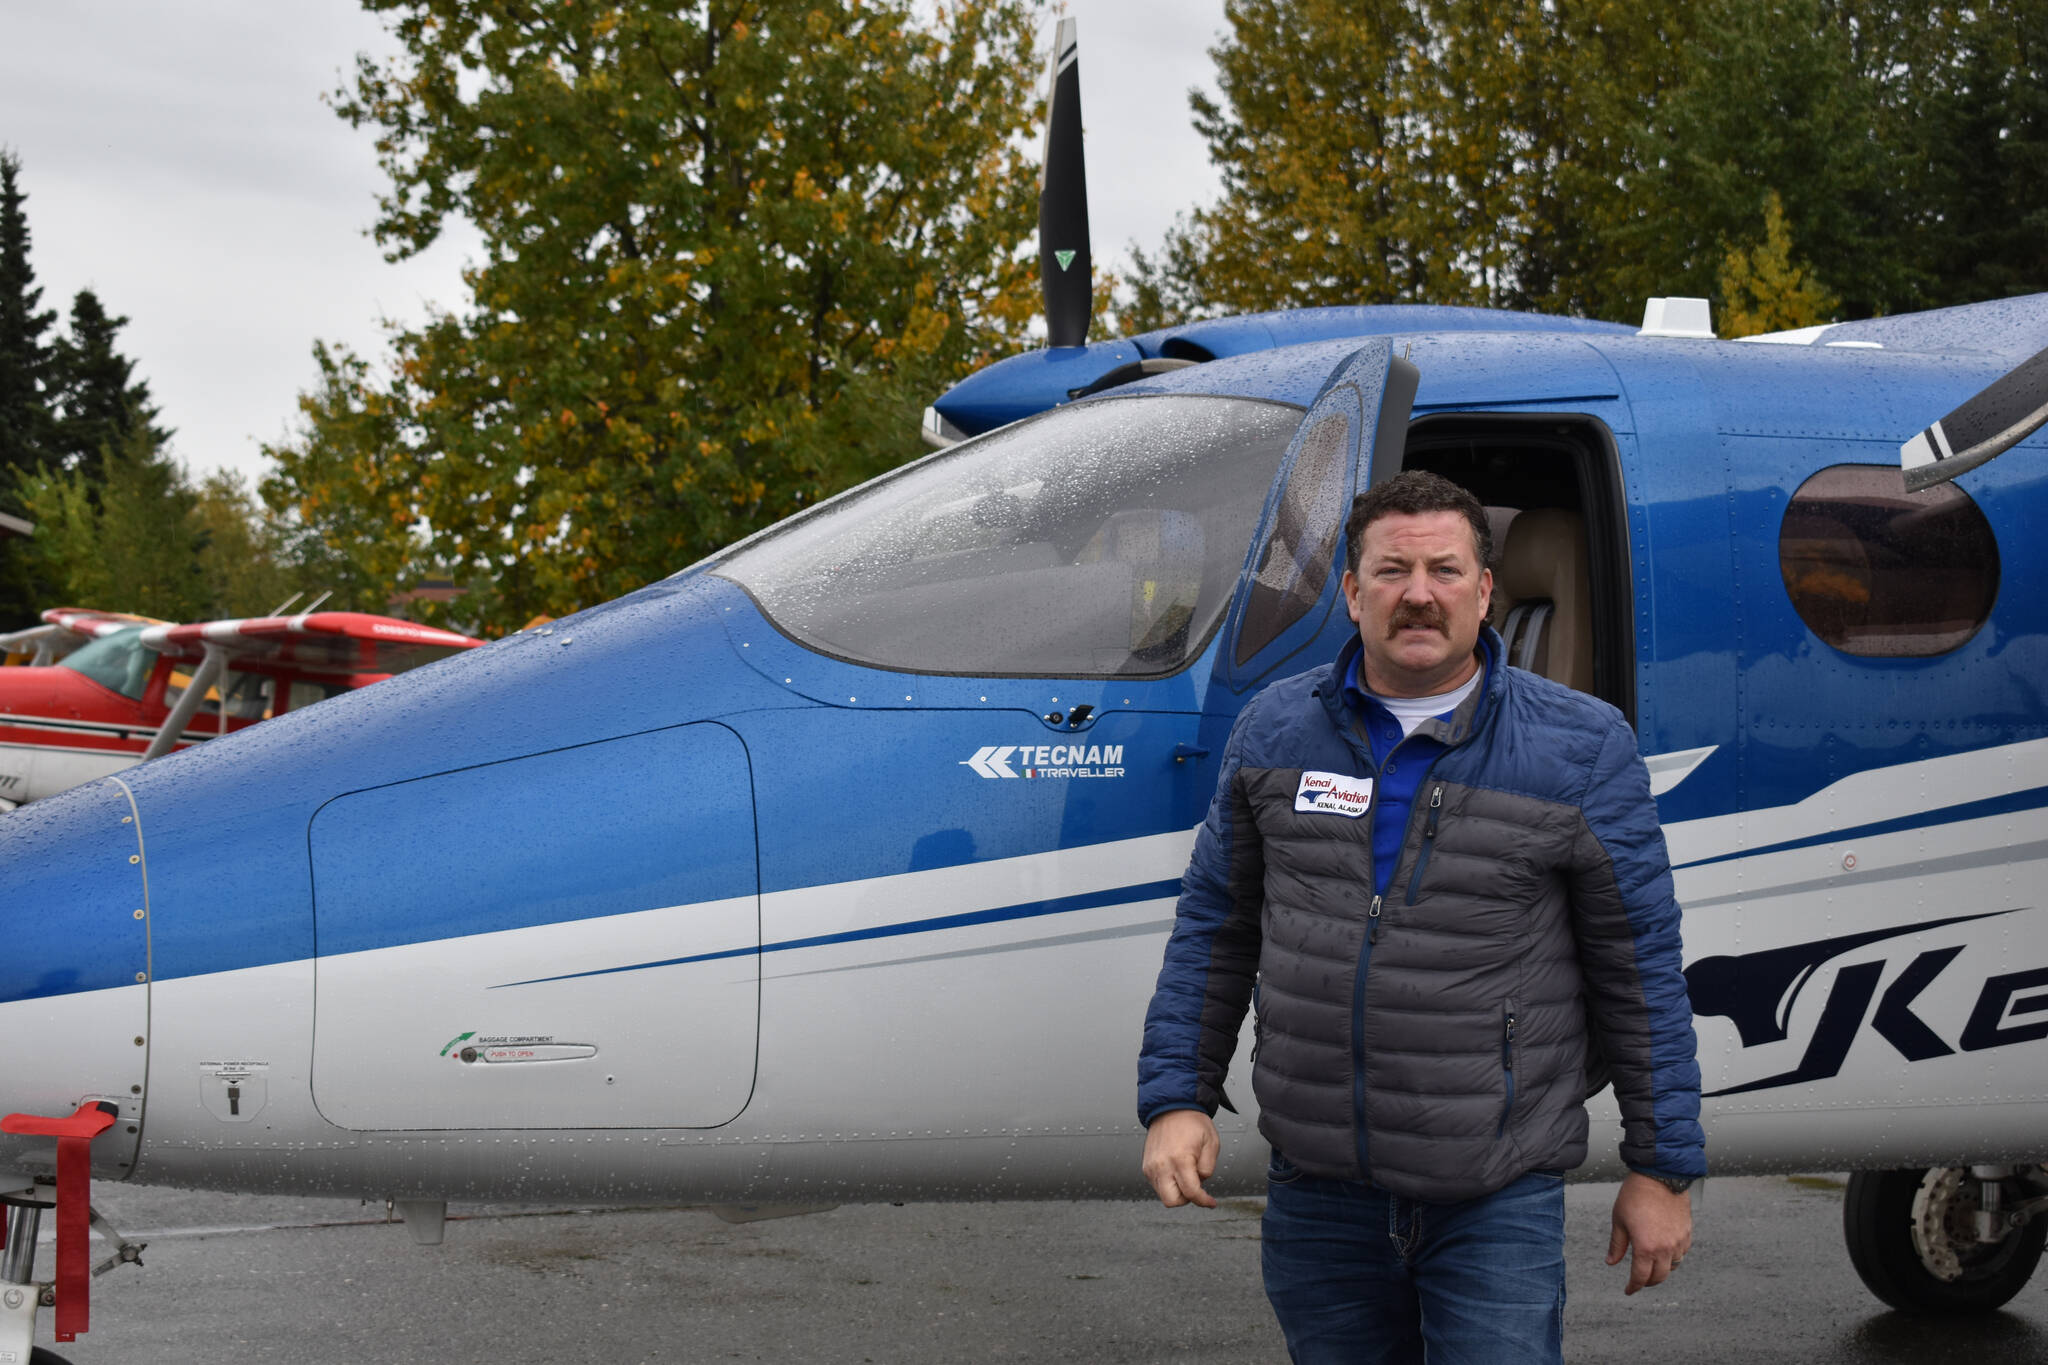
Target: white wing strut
x=203 y=678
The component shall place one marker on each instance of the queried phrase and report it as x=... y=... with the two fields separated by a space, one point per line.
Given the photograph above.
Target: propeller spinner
x=1064 y=266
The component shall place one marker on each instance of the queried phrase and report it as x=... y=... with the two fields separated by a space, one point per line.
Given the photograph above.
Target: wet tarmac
x=231 y=1279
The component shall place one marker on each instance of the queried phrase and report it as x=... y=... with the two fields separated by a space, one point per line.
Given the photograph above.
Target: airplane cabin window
x=174 y=689
x=303 y=692
x=117 y=662
x=249 y=695
x=1295 y=561
x=1097 y=540
x=1880 y=572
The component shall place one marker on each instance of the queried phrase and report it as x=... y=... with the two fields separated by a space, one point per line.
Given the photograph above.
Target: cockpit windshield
x=116 y=661
x=1095 y=540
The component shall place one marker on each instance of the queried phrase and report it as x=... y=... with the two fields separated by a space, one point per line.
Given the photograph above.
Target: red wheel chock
x=74 y=1136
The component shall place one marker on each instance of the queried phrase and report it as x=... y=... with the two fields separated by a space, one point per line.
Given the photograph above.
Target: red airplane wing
x=93 y=624
x=63 y=630
x=325 y=642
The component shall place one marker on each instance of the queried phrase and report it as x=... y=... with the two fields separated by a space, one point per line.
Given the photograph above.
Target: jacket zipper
x=1436 y=804
x=1358 y=983
x=1372 y=935
x=1507 y=1066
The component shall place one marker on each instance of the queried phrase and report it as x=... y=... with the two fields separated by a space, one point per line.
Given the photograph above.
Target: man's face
x=1419 y=598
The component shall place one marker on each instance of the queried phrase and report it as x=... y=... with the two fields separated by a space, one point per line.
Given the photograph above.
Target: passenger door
x=1287 y=617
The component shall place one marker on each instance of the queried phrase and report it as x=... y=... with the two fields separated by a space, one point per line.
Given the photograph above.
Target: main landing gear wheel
x=1913 y=1237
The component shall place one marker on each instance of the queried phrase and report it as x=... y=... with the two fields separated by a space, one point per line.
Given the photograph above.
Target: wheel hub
x=1944 y=1220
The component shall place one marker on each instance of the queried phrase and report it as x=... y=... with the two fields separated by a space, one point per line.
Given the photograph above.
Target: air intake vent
x=1124 y=374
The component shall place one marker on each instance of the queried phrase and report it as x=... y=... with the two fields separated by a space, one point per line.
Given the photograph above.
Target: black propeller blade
x=1064 y=267
x=1991 y=422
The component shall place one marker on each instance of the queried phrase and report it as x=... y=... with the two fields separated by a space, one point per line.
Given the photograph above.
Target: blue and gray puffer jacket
x=1439 y=1040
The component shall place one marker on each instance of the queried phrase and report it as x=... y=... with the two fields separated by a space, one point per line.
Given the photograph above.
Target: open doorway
x=1552 y=489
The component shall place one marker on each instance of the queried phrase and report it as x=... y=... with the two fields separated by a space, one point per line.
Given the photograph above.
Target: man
x=1442 y=880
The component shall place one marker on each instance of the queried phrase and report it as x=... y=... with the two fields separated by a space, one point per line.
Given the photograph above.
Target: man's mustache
x=1418 y=614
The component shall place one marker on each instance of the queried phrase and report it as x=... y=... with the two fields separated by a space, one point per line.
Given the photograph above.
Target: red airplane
x=63 y=630
x=121 y=691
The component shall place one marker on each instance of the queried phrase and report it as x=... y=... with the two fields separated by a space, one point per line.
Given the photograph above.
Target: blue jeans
x=1357 y=1275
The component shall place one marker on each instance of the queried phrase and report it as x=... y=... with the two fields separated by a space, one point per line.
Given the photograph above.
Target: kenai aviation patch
x=1333 y=794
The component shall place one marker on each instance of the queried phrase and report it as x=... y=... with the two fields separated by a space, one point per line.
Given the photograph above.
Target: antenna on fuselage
x=1990 y=422
x=1064 y=267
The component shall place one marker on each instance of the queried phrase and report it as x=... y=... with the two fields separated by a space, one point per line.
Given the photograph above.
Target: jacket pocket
x=1436 y=806
x=1507 y=1066
x=1281 y=1171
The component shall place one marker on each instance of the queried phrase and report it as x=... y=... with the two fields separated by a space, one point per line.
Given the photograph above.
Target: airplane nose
x=74 y=977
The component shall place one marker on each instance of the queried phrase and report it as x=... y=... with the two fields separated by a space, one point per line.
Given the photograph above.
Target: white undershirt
x=1412 y=711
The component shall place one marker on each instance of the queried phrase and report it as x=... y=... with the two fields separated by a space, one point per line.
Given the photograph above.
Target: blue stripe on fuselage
x=1091 y=900
x=2030 y=799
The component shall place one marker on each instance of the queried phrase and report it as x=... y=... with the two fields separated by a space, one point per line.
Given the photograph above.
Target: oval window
x=1880 y=572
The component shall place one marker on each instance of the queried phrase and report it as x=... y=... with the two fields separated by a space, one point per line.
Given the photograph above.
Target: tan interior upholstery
x=1544 y=598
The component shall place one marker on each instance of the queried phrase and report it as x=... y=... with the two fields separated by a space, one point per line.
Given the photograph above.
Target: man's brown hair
x=1414 y=491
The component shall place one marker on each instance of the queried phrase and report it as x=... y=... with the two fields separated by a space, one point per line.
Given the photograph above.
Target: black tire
x=39 y=1356
x=1877 y=1224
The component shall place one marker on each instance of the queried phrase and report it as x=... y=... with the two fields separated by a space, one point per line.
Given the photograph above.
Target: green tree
x=1323 y=139
x=1420 y=151
x=1977 y=122
x=128 y=541
x=98 y=399
x=25 y=422
x=25 y=419
x=139 y=537
x=1763 y=290
x=244 y=555
x=1579 y=156
x=1784 y=95
x=1164 y=287
x=730 y=250
x=1587 y=83
x=338 y=504
x=62 y=403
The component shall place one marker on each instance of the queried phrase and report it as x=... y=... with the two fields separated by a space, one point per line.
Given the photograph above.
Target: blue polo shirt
x=1398 y=768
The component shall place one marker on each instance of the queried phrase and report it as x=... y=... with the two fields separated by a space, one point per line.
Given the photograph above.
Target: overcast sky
x=178 y=161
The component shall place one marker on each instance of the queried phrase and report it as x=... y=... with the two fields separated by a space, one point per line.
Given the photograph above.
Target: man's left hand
x=1656 y=1222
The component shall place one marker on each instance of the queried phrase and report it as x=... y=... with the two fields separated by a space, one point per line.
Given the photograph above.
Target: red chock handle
x=74 y=1135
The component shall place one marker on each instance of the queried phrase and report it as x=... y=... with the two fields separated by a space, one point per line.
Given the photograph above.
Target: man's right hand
x=1181 y=1148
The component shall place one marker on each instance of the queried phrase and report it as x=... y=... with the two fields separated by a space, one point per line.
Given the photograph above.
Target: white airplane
x=838 y=866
